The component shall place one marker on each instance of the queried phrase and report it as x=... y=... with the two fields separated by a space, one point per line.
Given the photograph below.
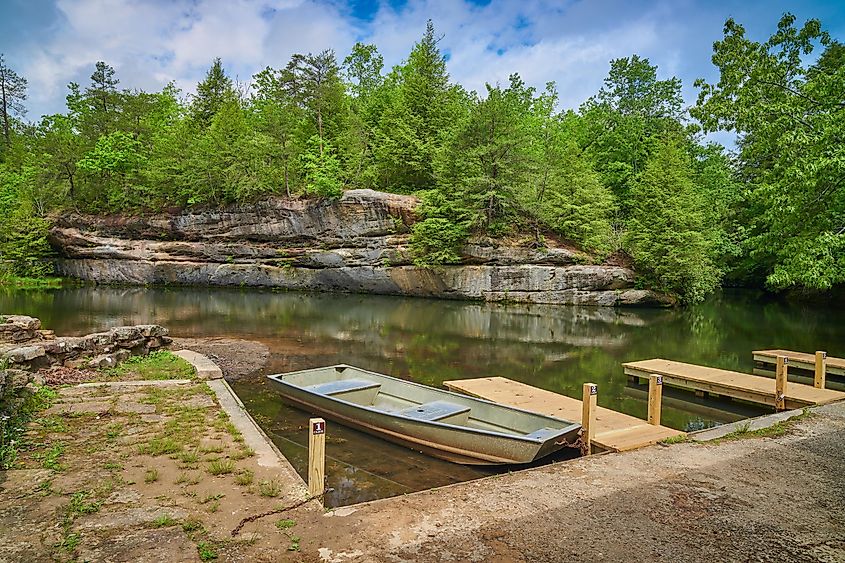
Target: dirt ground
x=153 y=472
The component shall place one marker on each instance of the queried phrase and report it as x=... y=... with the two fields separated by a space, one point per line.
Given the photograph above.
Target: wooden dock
x=614 y=431
x=732 y=384
x=800 y=360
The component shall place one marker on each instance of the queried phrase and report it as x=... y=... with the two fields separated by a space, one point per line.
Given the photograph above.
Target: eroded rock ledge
x=357 y=244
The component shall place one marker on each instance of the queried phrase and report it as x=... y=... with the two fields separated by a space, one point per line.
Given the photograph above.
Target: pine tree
x=103 y=86
x=214 y=91
x=12 y=96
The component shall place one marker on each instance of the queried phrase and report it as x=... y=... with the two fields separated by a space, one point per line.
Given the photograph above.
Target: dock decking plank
x=614 y=430
x=801 y=360
x=730 y=383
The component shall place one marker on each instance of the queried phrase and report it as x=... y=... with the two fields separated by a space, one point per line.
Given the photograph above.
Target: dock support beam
x=588 y=416
x=821 y=370
x=316 y=456
x=655 y=398
x=780 y=383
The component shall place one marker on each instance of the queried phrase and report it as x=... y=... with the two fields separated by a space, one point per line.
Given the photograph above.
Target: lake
x=429 y=341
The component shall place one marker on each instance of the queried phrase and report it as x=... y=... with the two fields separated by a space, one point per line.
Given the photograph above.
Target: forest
x=628 y=174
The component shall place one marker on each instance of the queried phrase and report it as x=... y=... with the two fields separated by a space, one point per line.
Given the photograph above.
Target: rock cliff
x=356 y=244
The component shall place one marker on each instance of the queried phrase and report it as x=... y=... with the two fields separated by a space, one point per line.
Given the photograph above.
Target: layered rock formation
x=357 y=244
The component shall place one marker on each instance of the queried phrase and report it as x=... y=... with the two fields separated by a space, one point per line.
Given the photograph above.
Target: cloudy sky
x=151 y=42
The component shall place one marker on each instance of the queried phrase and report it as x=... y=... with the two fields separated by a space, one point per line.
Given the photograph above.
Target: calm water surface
x=429 y=341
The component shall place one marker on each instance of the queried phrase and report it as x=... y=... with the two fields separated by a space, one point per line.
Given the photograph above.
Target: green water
x=429 y=341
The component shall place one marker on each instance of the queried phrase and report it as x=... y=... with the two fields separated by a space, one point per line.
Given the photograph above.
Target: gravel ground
x=236 y=357
x=755 y=499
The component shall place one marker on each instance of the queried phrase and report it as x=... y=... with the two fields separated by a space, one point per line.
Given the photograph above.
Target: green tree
x=420 y=108
x=12 y=97
x=787 y=109
x=215 y=90
x=668 y=234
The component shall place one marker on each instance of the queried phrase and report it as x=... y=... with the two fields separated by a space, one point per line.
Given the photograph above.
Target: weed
x=52 y=423
x=245 y=477
x=151 y=476
x=69 y=542
x=189 y=457
x=50 y=458
x=294 y=543
x=210 y=498
x=164 y=521
x=212 y=448
x=113 y=466
x=159 y=446
x=679 y=439
x=79 y=506
x=269 y=488
x=113 y=431
x=45 y=488
x=214 y=506
x=206 y=551
x=191 y=525
x=285 y=523
x=221 y=467
x=243 y=453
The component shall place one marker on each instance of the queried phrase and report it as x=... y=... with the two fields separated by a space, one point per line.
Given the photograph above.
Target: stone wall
x=359 y=243
x=23 y=345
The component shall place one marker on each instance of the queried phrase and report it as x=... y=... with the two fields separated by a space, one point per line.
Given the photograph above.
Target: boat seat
x=342 y=386
x=436 y=410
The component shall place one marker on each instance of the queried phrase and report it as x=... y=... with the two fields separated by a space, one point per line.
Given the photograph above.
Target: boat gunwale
x=561 y=432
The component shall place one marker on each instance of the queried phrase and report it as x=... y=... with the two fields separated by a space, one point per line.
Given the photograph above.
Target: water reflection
x=429 y=341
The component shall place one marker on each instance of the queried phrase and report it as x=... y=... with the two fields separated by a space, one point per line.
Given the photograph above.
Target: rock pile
x=23 y=345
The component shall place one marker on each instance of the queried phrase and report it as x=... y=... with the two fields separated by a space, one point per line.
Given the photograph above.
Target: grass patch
x=221 y=467
x=192 y=525
x=50 y=458
x=30 y=283
x=159 y=365
x=294 y=543
x=206 y=551
x=285 y=523
x=113 y=466
x=113 y=431
x=164 y=522
x=245 y=477
x=151 y=475
x=242 y=453
x=269 y=488
x=213 y=448
x=679 y=439
x=777 y=429
x=212 y=498
x=189 y=457
x=160 y=446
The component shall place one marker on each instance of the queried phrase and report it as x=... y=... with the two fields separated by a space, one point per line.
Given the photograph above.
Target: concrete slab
x=206 y=369
x=266 y=452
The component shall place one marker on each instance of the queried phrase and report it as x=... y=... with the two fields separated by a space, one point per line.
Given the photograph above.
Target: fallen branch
x=255 y=517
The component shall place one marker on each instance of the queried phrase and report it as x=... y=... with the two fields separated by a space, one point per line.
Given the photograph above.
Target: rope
x=255 y=517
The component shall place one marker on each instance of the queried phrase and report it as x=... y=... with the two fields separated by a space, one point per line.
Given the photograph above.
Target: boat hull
x=458 y=444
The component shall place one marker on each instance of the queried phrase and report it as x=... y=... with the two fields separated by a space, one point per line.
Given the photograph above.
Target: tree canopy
x=626 y=177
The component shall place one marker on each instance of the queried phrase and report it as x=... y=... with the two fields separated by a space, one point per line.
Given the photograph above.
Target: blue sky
x=151 y=42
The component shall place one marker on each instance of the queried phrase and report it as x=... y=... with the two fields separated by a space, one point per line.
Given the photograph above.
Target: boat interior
x=408 y=399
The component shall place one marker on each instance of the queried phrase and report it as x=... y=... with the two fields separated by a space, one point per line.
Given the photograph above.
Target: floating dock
x=614 y=431
x=800 y=360
x=732 y=384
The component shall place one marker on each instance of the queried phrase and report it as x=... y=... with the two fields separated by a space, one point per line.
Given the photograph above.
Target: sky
x=153 y=42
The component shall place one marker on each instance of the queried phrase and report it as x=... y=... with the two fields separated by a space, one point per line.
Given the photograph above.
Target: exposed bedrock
x=357 y=244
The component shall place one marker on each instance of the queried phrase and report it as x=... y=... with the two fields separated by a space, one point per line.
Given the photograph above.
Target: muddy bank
x=357 y=244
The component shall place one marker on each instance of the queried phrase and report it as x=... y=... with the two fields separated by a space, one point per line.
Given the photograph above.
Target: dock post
x=821 y=370
x=655 y=398
x=588 y=416
x=316 y=456
x=780 y=383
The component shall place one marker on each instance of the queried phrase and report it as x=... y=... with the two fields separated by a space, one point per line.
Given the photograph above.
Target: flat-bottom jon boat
x=440 y=423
